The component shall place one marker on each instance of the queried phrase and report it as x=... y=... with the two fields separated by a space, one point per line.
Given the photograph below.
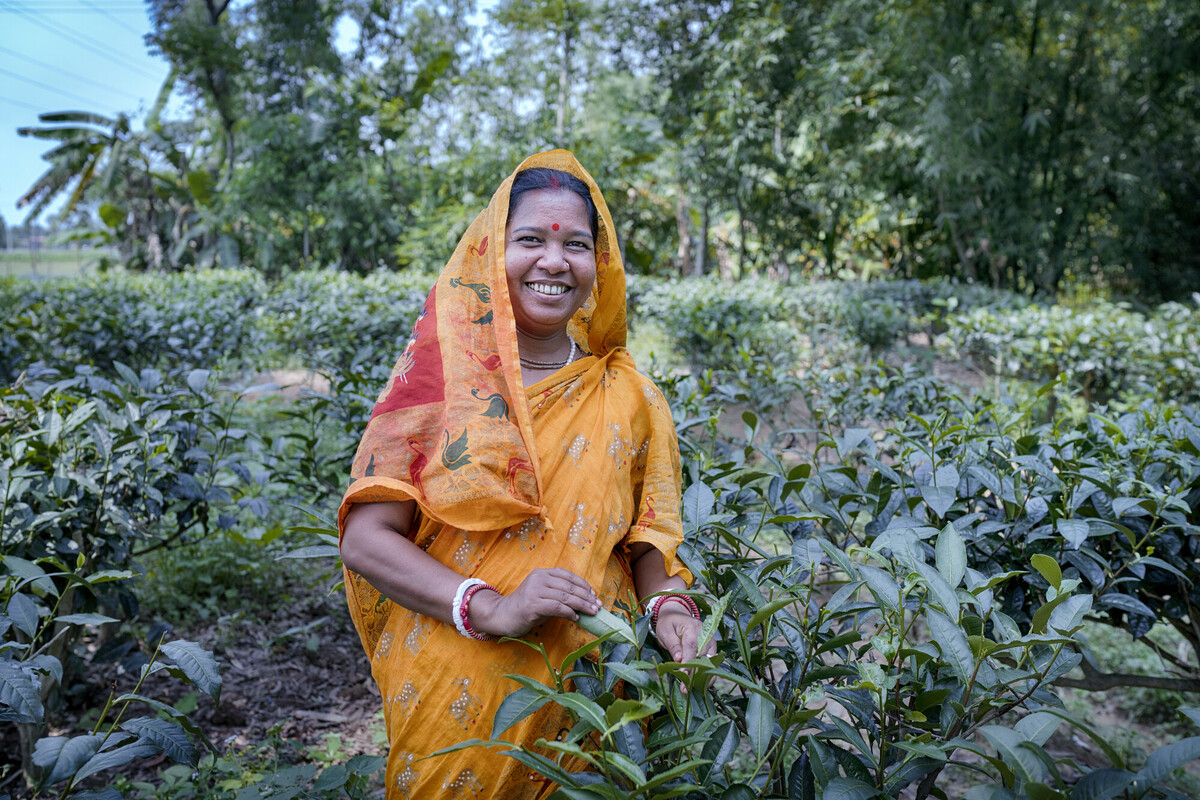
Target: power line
x=47 y=87
x=21 y=103
x=68 y=73
x=81 y=41
x=73 y=5
x=124 y=25
x=75 y=10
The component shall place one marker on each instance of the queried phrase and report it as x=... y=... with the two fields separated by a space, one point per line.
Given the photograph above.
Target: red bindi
x=554 y=226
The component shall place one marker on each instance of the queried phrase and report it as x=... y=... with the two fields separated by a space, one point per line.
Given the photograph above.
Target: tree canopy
x=1023 y=144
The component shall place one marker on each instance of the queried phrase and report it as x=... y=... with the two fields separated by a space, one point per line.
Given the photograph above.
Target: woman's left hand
x=679 y=632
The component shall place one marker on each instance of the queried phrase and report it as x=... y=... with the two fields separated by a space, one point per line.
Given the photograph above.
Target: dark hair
x=539 y=178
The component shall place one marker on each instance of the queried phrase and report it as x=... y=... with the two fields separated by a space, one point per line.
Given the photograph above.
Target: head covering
x=452 y=429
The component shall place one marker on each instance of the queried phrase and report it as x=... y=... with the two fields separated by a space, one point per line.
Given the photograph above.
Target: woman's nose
x=554 y=259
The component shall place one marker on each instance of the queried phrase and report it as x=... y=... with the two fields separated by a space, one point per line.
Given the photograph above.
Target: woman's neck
x=552 y=348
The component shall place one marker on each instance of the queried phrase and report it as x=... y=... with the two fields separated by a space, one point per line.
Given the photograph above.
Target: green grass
x=48 y=263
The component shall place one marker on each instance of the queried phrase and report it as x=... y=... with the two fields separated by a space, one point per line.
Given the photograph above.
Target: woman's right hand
x=544 y=593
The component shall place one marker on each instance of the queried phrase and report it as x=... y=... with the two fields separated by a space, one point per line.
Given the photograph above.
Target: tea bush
x=930 y=595
x=95 y=471
x=329 y=318
x=722 y=326
x=173 y=323
x=897 y=572
x=1104 y=351
x=712 y=322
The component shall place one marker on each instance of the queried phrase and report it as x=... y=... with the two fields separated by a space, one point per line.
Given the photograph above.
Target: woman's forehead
x=542 y=205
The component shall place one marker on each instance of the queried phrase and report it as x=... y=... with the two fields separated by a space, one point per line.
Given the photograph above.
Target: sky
x=67 y=55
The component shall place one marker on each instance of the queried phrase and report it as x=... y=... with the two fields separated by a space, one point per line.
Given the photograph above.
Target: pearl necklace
x=531 y=364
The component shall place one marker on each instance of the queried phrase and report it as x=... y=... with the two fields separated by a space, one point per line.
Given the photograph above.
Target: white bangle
x=456 y=607
x=652 y=605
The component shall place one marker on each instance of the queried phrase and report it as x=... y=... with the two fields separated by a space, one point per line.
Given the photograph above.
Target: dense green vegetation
x=1029 y=146
x=902 y=573
x=917 y=279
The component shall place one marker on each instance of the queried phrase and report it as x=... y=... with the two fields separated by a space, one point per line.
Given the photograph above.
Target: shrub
x=1104 y=352
x=95 y=471
x=173 y=323
x=334 y=319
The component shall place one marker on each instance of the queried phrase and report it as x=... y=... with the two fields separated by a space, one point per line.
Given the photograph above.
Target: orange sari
x=567 y=473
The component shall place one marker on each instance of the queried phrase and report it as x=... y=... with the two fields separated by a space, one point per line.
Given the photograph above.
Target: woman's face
x=550 y=259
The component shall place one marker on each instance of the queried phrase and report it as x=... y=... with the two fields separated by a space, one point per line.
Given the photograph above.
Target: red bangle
x=465 y=608
x=680 y=598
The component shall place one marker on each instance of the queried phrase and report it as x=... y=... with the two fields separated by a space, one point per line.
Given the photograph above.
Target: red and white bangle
x=461 y=607
x=654 y=605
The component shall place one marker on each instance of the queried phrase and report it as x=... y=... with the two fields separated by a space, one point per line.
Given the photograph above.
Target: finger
x=579 y=595
x=572 y=596
x=710 y=647
x=668 y=637
x=572 y=578
x=691 y=629
x=548 y=607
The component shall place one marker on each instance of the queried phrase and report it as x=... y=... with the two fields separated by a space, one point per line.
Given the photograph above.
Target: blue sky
x=58 y=55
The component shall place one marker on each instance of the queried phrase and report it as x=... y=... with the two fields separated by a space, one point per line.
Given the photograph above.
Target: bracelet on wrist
x=654 y=606
x=460 y=608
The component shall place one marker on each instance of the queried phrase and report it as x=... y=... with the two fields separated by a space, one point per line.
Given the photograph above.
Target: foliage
x=336 y=319
x=929 y=594
x=96 y=472
x=854 y=537
x=1026 y=146
x=720 y=325
x=174 y=323
x=711 y=323
x=1104 y=351
x=266 y=769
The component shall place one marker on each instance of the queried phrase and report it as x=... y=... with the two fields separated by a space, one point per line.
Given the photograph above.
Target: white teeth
x=546 y=288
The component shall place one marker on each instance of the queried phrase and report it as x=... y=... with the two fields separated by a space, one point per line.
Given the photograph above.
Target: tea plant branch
x=996 y=713
x=177 y=534
x=1095 y=681
x=1166 y=655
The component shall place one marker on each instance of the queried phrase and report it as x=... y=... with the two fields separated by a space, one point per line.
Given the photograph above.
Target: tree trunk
x=564 y=76
x=702 y=248
x=741 y=236
x=683 y=227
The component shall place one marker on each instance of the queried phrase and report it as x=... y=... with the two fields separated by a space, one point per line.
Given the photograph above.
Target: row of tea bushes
x=1104 y=351
x=892 y=603
x=715 y=323
x=205 y=319
x=174 y=322
x=323 y=318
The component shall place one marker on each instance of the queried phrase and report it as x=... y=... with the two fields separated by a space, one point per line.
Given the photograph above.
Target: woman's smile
x=547 y=288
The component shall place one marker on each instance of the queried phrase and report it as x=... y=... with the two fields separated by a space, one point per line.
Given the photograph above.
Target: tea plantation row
x=897 y=571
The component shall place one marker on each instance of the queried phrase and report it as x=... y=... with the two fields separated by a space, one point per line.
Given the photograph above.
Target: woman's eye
x=581 y=245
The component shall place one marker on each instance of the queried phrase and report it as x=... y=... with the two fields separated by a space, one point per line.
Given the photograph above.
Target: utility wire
x=21 y=103
x=47 y=87
x=122 y=23
x=66 y=33
x=68 y=73
x=74 y=9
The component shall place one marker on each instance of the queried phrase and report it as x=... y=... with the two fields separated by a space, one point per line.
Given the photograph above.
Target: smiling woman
x=518 y=471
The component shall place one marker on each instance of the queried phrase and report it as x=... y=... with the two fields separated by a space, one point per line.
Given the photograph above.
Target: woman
x=517 y=472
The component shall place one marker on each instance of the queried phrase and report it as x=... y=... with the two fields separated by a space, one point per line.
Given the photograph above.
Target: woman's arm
x=677 y=630
x=375 y=544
